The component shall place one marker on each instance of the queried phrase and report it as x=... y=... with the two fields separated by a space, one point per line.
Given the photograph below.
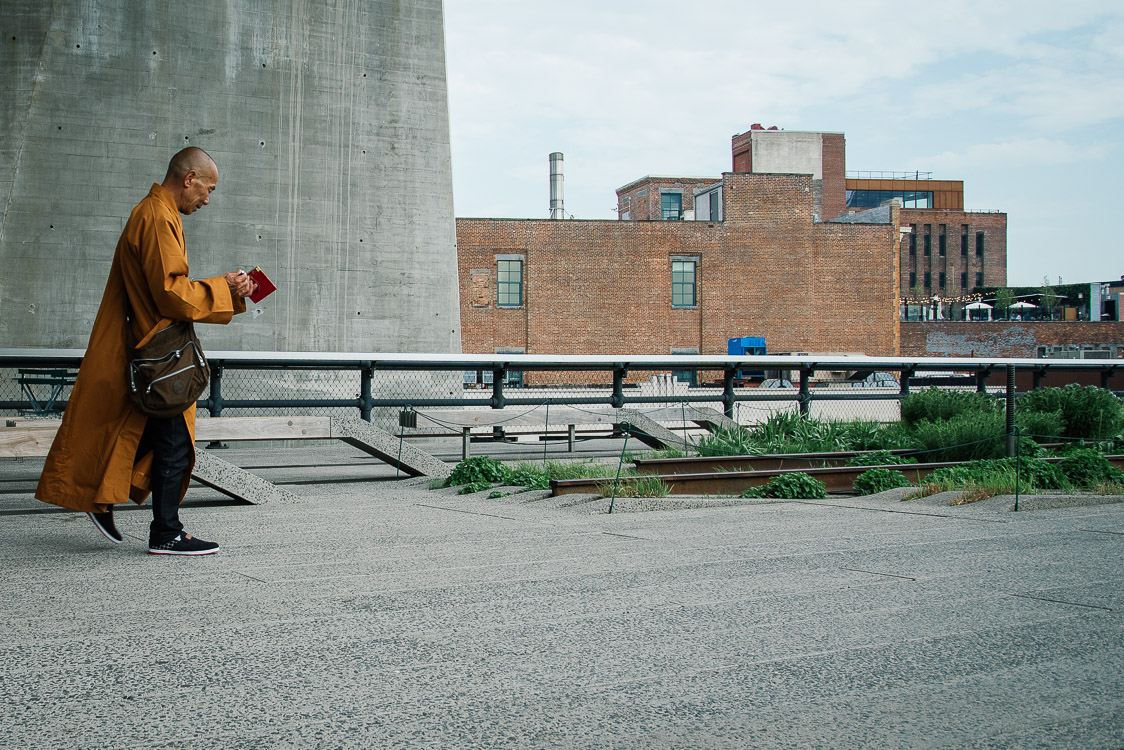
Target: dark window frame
x=682 y=288
x=506 y=288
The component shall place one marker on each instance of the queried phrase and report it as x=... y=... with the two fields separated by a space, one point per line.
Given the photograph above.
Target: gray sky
x=1023 y=100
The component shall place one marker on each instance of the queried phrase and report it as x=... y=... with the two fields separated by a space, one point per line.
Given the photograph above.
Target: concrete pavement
x=375 y=612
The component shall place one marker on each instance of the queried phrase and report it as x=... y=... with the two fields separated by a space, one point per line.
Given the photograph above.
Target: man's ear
x=189 y=178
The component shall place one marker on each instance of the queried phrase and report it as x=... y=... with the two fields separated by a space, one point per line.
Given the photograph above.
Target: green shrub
x=1085 y=467
x=472 y=487
x=879 y=480
x=529 y=476
x=1033 y=474
x=880 y=458
x=965 y=437
x=476 y=470
x=938 y=404
x=794 y=486
x=1086 y=411
x=1040 y=426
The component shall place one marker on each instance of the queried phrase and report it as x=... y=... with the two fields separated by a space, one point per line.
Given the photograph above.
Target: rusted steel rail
x=703 y=464
x=838 y=479
x=801 y=461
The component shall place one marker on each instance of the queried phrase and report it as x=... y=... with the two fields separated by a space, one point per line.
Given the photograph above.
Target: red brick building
x=768 y=268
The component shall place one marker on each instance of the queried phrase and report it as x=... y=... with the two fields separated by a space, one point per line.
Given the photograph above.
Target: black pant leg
x=170 y=443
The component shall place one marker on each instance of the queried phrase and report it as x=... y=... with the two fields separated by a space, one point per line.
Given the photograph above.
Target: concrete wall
x=329 y=123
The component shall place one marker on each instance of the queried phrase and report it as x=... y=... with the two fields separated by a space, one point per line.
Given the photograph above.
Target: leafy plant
x=473 y=487
x=1085 y=467
x=529 y=476
x=794 y=486
x=880 y=458
x=879 y=480
x=476 y=470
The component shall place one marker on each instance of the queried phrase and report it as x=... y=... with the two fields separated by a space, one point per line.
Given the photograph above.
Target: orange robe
x=91 y=463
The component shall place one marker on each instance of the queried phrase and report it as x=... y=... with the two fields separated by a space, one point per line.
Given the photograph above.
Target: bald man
x=106 y=452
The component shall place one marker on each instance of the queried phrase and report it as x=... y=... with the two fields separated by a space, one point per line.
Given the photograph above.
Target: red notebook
x=265 y=286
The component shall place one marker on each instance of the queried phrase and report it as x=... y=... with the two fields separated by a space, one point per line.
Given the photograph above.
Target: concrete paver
x=375 y=612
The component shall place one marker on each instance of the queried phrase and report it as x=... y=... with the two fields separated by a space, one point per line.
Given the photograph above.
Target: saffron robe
x=91 y=463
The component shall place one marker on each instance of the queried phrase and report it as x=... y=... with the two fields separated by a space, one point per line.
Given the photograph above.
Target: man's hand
x=240 y=284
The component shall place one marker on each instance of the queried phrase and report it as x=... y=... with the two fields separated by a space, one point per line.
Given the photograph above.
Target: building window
x=964 y=280
x=941 y=277
x=979 y=278
x=671 y=206
x=683 y=283
x=913 y=240
x=625 y=212
x=928 y=280
x=876 y=198
x=928 y=240
x=509 y=278
x=912 y=279
x=964 y=240
x=979 y=244
x=941 y=244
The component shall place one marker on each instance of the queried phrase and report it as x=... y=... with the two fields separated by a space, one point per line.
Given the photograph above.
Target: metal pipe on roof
x=556 y=209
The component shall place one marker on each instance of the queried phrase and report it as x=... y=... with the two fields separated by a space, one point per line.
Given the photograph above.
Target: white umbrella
x=1023 y=305
x=978 y=306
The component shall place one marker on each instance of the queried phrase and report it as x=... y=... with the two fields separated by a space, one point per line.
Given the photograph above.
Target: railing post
x=498 y=375
x=216 y=389
x=728 y=393
x=804 y=398
x=366 y=377
x=981 y=379
x=1106 y=375
x=617 y=400
x=906 y=373
x=1010 y=411
x=1039 y=374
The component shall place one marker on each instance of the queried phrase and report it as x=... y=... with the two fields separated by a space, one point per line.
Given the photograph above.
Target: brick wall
x=596 y=287
x=834 y=175
x=642 y=197
x=929 y=222
x=1003 y=338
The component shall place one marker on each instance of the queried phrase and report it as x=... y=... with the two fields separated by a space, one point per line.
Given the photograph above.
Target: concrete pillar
x=329 y=123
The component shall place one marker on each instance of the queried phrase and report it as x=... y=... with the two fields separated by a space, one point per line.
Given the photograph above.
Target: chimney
x=556 y=210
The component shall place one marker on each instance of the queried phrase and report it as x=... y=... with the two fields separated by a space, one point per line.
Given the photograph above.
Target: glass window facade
x=509 y=277
x=683 y=286
x=876 y=198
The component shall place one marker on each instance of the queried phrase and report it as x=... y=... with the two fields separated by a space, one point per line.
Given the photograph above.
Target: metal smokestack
x=556 y=210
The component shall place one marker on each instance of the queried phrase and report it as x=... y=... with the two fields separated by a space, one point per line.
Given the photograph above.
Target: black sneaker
x=104 y=522
x=184 y=544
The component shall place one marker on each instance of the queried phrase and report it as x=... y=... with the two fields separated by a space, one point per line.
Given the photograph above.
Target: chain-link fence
x=440 y=387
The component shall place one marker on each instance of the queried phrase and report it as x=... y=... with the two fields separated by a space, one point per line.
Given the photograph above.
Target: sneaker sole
x=103 y=531
x=183 y=554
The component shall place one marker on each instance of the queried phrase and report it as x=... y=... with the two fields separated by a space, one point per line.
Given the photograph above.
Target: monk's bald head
x=192 y=176
x=190 y=159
